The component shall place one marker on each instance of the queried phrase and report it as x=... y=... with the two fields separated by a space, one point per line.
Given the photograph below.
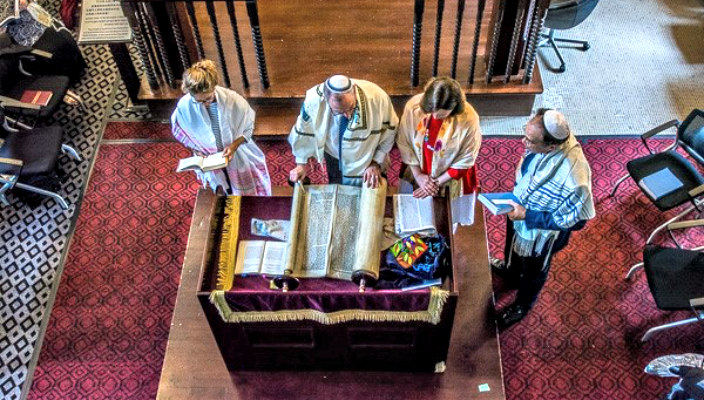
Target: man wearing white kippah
x=554 y=187
x=351 y=124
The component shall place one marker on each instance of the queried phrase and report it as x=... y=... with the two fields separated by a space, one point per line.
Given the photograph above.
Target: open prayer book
x=260 y=257
x=412 y=215
x=207 y=163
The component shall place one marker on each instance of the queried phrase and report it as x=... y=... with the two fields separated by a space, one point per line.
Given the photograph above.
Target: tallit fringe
x=438 y=298
x=530 y=247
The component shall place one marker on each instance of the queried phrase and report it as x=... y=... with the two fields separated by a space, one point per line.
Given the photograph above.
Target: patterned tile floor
x=33 y=241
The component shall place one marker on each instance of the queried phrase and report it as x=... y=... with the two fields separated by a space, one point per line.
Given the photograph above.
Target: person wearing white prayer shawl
x=349 y=123
x=210 y=119
x=554 y=188
x=439 y=139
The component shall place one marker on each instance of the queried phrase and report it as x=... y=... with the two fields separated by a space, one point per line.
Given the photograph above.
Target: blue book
x=660 y=183
x=498 y=203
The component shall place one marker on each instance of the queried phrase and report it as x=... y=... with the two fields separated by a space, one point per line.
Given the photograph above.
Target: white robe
x=369 y=135
x=190 y=125
x=460 y=136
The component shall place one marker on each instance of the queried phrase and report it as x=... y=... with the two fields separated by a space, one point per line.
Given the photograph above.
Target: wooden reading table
x=194 y=367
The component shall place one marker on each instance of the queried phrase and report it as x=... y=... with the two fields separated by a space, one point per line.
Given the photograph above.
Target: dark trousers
x=529 y=273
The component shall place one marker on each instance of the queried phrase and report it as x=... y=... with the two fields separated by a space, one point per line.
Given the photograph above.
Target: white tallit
x=190 y=125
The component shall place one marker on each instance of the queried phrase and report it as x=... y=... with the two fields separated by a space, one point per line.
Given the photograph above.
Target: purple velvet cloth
x=252 y=293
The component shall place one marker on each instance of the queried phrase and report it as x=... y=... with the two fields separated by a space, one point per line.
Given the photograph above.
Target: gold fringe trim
x=228 y=249
x=438 y=298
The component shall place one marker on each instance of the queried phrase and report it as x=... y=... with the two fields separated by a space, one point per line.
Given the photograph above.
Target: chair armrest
x=696 y=191
x=42 y=53
x=10 y=102
x=658 y=129
x=11 y=161
x=8 y=180
x=685 y=224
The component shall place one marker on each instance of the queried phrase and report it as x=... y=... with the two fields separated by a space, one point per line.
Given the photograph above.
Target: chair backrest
x=674 y=276
x=566 y=14
x=691 y=135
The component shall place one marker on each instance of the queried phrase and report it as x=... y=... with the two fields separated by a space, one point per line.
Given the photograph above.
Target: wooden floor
x=194 y=369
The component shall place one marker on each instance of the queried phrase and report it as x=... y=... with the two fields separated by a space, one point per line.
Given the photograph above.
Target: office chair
x=676 y=281
x=565 y=14
x=26 y=155
x=690 y=137
x=15 y=81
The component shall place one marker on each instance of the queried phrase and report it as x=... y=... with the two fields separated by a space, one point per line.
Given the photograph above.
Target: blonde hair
x=202 y=77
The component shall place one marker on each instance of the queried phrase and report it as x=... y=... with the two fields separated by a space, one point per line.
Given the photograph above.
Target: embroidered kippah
x=556 y=124
x=338 y=84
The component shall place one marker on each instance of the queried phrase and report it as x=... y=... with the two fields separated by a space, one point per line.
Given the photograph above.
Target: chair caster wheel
x=586 y=47
x=562 y=69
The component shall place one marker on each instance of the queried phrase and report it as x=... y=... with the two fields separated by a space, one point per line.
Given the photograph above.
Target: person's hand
x=229 y=151
x=372 y=175
x=427 y=186
x=23 y=4
x=421 y=193
x=518 y=212
x=298 y=173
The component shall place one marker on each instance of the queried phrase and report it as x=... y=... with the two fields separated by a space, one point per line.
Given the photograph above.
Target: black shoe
x=497 y=265
x=511 y=315
x=500 y=269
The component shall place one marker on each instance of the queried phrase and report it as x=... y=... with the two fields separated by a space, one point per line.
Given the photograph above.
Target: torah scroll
x=335 y=231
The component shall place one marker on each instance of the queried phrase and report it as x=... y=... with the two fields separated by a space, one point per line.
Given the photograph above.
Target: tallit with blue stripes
x=559 y=182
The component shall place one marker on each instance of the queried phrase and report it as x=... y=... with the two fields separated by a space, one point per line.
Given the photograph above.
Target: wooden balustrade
x=487 y=45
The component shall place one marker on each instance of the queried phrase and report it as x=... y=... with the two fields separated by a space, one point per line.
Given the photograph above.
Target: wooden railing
x=501 y=36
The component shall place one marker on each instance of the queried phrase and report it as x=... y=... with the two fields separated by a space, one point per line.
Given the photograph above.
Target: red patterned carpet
x=110 y=322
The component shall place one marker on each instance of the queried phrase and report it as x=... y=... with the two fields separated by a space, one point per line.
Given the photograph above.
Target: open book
x=498 y=203
x=412 y=215
x=260 y=257
x=207 y=163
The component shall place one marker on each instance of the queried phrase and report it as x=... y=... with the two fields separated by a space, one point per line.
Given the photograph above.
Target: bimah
x=325 y=324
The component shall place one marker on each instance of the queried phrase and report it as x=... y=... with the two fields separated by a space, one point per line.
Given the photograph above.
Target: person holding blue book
x=554 y=188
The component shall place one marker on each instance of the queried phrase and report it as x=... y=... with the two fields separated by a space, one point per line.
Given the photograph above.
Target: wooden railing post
x=418 y=9
x=253 y=14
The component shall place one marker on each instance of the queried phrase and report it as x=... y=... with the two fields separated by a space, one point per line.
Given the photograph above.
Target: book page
x=344 y=236
x=190 y=163
x=313 y=248
x=249 y=256
x=414 y=215
x=214 y=161
x=274 y=258
x=463 y=209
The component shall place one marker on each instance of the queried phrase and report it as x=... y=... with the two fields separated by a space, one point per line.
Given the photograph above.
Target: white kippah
x=556 y=124
x=338 y=84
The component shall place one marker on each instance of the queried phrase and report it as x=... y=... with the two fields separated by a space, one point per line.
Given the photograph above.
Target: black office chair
x=676 y=281
x=15 y=81
x=30 y=157
x=565 y=14
x=690 y=137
